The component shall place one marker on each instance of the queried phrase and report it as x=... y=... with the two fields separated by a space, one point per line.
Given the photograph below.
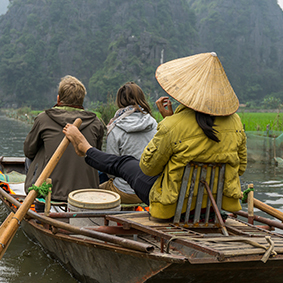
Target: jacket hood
x=62 y=116
x=137 y=122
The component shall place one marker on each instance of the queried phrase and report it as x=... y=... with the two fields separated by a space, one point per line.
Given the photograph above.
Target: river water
x=26 y=262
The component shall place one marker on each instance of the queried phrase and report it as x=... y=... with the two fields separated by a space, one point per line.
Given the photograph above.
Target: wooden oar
x=4 y=226
x=267 y=208
x=12 y=223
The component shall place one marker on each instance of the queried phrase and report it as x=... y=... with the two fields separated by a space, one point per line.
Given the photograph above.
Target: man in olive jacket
x=71 y=172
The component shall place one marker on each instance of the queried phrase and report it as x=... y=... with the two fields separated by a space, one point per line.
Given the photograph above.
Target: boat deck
x=245 y=241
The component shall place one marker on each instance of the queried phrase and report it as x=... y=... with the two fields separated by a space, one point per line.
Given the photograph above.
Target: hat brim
x=200 y=83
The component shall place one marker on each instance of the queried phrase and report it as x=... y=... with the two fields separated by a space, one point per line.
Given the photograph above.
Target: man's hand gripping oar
x=10 y=225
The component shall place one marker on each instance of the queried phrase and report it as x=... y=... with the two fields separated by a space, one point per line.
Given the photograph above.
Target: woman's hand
x=163 y=102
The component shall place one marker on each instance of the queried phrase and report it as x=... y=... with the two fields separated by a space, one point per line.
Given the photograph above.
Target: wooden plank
x=225 y=247
x=234 y=222
x=145 y=219
x=235 y=239
x=260 y=229
x=12 y=160
x=182 y=194
x=236 y=231
x=248 y=252
x=242 y=248
x=166 y=236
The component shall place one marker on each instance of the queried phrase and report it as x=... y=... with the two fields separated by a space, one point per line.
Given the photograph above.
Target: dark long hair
x=206 y=122
x=131 y=94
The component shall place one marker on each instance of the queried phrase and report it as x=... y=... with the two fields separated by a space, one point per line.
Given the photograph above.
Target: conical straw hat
x=199 y=82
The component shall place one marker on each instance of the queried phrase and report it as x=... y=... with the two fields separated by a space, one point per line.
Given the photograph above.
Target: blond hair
x=71 y=91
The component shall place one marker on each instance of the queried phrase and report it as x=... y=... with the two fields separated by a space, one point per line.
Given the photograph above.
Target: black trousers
x=126 y=167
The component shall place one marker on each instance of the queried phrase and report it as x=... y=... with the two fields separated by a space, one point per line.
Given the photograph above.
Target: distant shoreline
x=246 y=110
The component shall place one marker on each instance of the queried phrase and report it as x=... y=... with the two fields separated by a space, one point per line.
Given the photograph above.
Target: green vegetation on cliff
x=106 y=43
x=103 y=43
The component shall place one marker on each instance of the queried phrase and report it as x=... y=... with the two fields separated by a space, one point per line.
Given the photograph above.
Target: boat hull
x=94 y=263
x=90 y=263
x=90 y=260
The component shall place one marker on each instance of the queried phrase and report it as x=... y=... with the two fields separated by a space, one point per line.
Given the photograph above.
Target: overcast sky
x=280 y=2
x=3 y=6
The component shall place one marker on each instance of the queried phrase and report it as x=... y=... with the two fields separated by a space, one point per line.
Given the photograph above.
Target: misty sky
x=3 y=6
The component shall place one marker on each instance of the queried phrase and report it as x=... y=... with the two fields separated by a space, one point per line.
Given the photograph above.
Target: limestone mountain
x=103 y=43
x=106 y=43
x=248 y=37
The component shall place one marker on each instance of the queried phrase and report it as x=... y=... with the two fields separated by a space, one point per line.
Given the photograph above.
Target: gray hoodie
x=129 y=137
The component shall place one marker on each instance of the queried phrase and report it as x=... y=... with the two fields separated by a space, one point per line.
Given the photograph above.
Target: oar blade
x=2 y=228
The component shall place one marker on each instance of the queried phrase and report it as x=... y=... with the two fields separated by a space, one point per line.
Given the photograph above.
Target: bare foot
x=77 y=139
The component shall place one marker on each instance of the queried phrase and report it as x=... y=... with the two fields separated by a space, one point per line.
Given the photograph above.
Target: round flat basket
x=94 y=199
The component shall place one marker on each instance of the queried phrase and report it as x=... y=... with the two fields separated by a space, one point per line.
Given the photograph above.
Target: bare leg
x=77 y=139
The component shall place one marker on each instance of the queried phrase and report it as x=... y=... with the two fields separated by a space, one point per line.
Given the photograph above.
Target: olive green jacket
x=180 y=140
x=71 y=173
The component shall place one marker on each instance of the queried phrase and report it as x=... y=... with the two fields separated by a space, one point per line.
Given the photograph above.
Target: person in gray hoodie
x=128 y=133
x=71 y=173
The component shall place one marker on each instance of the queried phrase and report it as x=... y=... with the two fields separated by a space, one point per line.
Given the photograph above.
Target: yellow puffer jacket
x=180 y=140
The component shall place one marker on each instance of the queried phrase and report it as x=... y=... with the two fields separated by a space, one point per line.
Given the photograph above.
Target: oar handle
x=266 y=208
x=14 y=222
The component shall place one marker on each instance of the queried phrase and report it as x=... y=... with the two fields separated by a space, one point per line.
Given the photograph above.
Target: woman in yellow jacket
x=204 y=128
x=179 y=140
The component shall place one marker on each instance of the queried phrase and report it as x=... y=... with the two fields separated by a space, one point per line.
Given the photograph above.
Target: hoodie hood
x=137 y=122
x=62 y=116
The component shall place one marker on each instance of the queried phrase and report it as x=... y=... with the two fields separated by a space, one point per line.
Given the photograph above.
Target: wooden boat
x=141 y=249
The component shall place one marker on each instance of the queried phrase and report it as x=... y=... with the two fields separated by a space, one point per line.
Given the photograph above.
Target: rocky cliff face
x=106 y=43
x=144 y=34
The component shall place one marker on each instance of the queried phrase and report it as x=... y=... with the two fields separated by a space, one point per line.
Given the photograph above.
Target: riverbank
x=24 y=114
x=104 y=113
x=253 y=119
